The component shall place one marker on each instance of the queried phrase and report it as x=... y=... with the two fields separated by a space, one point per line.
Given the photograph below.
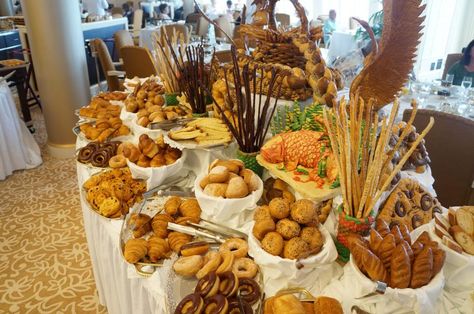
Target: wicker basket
x=282 y=53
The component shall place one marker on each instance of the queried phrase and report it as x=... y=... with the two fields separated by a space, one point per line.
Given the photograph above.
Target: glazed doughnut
x=85 y=153
x=216 y=304
x=279 y=208
x=194 y=248
x=208 y=285
x=188 y=266
x=100 y=158
x=227 y=261
x=245 y=267
x=273 y=243
x=262 y=227
x=213 y=260
x=288 y=228
x=249 y=290
x=229 y=283
x=190 y=304
x=238 y=247
x=235 y=307
x=117 y=161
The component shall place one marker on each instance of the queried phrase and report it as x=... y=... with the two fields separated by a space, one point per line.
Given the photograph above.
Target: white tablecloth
x=19 y=148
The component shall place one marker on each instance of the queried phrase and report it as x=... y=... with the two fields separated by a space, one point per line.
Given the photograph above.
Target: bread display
x=112 y=193
x=288 y=229
x=410 y=204
x=288 y=303
x=151 y=226
x=149 y=152
x=100 y=106
x=394 y=260
x=103 y=129
x=229 y=179
x=203 y=132
x=99 y=154
x=456 y=231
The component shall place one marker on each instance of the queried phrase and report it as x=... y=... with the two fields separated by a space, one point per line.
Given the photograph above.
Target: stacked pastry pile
x=288 y=303
x=289 y=230
x=390 y=256
x=98 y=154
x=149 y=153
x=113 y=192
x=229 y=179
x=197 y=259
x=146 y=247
x=104 y=128
x=204 y=132
x=221 y=293
x=457 y=232
x=410 y=204
x=100 y=108
x=117 y=96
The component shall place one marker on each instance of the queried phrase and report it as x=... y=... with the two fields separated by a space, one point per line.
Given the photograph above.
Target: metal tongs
x=379 y=288
x=208 y=230
x=169 y=124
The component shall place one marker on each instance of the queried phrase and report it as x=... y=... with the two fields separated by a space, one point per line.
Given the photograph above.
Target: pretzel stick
x=404 y=159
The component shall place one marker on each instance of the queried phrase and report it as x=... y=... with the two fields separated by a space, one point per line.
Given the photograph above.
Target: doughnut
x=85 y=153
x=117 y=161
x=213 y=262
x=188 y=266
x=273 y=243
x=279 y=208
x=100 y=158
x=227 y=261
x=262 y=227
x=303 y=211
x=288 y=228
x=238 y=247
x=229 y=284
x=190 y=304
x=208 y=285
x=194 y=248
x=236 y=307
x=216 y=304
x=244 y=267
x=249 y=290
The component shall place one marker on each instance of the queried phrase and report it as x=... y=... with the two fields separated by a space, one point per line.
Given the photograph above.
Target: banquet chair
x=112 y=76
x=224 y=23
x=451 y=59
x=137 y=62
x=137 y=25
x=202 y=27
x=283 y=19
x=177 y=29
x=450 y=147
x=122 y=38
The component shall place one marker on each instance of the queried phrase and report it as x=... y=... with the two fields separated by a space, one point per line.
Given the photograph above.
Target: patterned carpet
x=44 y=260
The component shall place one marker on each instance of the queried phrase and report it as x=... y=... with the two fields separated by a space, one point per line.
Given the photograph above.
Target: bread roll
x=237 y=188
x=422 y=268
x=216 y=189
x=400 y=268
x=219 y=174
x=287 y=304
x=327 y=305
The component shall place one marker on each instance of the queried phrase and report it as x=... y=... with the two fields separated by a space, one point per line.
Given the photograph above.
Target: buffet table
x=20 y=150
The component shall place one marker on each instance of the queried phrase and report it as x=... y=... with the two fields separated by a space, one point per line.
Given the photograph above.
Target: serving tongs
x=169 y=124
x=208 y=230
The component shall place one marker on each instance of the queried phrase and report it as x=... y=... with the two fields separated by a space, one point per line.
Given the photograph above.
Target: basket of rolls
x=153 y=160
x=228 y=192
x=300 y=301
x=411 y=268
x=292 y=248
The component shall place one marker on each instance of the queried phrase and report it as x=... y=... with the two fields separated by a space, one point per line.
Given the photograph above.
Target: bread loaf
x=422 y=268
x=400 y=268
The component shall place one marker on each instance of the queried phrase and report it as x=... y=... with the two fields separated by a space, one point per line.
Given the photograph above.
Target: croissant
x=386 y=249
x=396 y=233
x=131 y=153
x=135 y=250
x=400 y=268
x=190 y=208
x=159 y=224
x=143 y=161
x=373 y=266
x=382 y=227
x=422 y=268
x=158 y=248
x=177 y=240
x=172 y=205
x=375 y=240
x=439 y=256
x=147 y=146
x=142 y=224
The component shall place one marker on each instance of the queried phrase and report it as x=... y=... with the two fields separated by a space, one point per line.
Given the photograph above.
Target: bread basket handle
x=299 y=10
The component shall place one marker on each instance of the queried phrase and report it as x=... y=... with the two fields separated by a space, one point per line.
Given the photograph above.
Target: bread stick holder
x=347 y=225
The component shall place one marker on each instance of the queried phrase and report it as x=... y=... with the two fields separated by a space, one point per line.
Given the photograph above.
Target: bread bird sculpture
x=392 y=59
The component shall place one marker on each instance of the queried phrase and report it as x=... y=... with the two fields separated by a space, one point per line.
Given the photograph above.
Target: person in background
x=164 y=12
x=128 y=12
x=464 y=67
x=329 y=27
x=95 y=7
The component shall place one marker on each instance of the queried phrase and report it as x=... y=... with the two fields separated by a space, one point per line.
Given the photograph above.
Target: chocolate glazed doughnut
x=249 y=290
x=217 y=304
x=234 y=307
x=208 y=285
x=85 y=153
x=100 y=158
x=191 y=304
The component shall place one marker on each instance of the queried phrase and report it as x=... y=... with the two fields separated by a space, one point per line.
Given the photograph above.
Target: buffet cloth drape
x=20 y=150
x=122 y=290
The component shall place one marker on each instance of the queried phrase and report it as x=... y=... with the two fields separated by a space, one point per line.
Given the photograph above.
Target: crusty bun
x=237 y=188
x=216 y=189
x=327 y=305
x=287 y=304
